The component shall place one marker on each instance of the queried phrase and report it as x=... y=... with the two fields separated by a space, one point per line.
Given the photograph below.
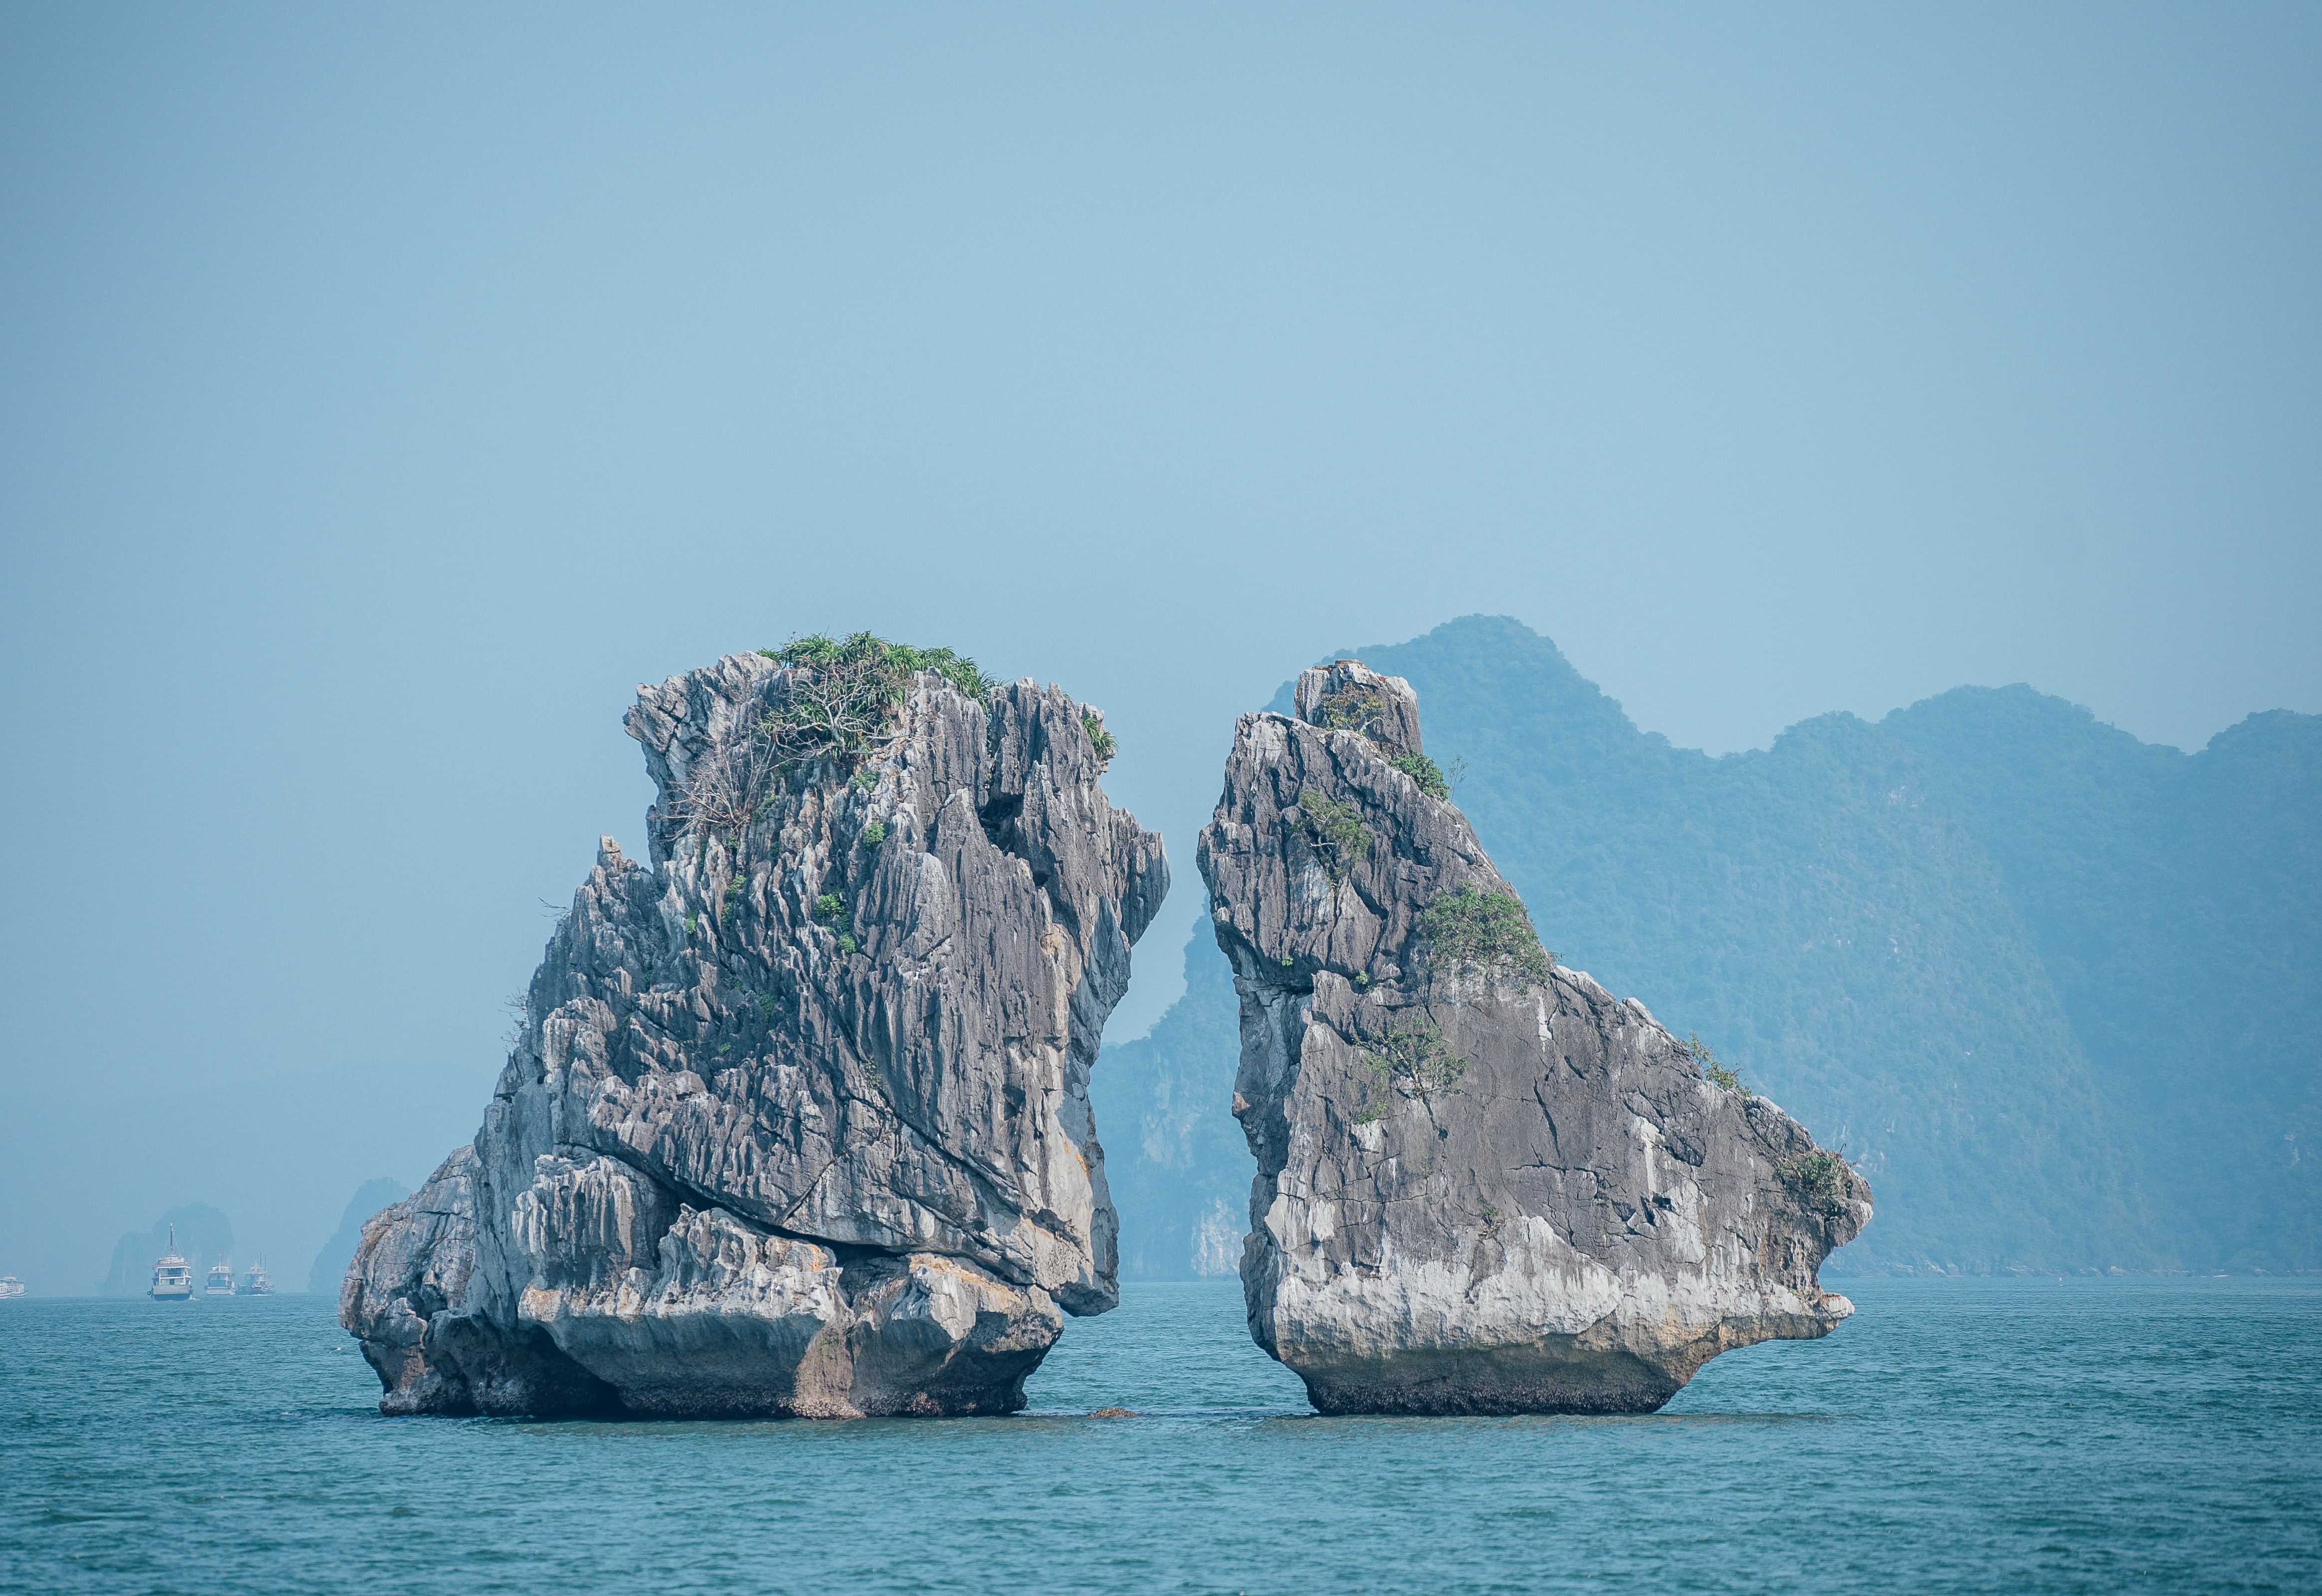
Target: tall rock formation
x=1484 y=1184
x=796 y=1121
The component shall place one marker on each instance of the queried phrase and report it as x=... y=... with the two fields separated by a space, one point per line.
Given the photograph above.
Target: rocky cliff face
x=1484 y=1184
x=798 y=1120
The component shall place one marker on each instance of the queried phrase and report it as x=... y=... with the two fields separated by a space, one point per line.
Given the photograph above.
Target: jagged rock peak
x=1484 y=1184
x=797 y=1119
x=1346 y=695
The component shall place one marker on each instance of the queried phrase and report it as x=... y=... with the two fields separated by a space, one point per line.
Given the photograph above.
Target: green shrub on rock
x=830 y=911
x=1411 y=1054
x=1425 y=772
x=1098 y=738
x=1467 y=928
x=1335 y=830
x=1819 y=1177
x=847 y=692
x=1713 y=1070
x=837 y=708
x=864 y=656
x=1352 y=709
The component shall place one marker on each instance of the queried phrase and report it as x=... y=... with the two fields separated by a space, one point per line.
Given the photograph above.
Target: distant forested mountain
x=2055 y=992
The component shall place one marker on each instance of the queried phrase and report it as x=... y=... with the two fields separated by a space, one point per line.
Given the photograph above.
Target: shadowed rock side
x=1485 y=1185
x=797 y=1122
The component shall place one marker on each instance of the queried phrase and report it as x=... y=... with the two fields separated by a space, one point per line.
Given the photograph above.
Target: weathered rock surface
x=1556 y=1211
x=796 y=1121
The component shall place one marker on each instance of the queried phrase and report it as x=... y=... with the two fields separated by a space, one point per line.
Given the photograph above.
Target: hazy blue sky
x=383 y=396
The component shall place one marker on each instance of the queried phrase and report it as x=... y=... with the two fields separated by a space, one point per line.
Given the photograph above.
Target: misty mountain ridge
x=2053 y=989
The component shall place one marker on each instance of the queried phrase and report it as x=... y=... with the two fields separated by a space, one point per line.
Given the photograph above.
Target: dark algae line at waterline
x=2155 y=1438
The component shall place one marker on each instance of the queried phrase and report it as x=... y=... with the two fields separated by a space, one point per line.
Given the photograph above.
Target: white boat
x=221 y=1280
x=173 y=1277
x=255 y=1283
x=10 y=1286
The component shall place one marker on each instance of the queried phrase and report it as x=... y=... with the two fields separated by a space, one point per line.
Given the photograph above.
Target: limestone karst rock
x=797 y=1119
x=1484 y=1184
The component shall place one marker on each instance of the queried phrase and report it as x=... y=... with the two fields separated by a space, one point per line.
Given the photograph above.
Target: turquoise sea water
x=2097 y=1435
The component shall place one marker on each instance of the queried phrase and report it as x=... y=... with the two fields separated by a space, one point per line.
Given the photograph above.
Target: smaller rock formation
x=1484 y=1184
x=797 y=1122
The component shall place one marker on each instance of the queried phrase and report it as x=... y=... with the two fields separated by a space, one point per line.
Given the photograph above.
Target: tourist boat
x=221 y=1280
x=255 y=1283
x=10 y=1286
x=173 y=1277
